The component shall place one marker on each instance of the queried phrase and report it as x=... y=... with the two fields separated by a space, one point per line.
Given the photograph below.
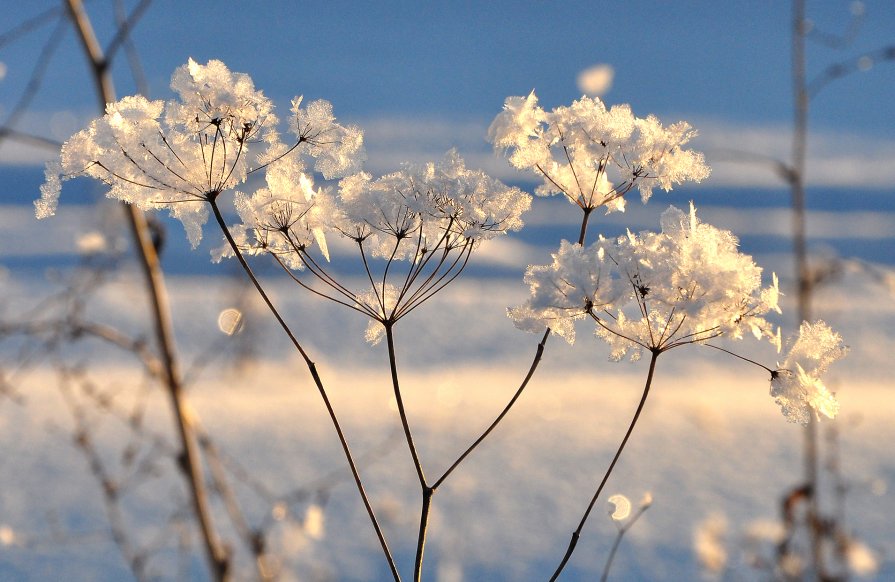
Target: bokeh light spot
x=230 y=321
x=620 y=507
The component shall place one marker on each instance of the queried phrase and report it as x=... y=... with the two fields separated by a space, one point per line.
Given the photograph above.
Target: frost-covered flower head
x=431 y=216
x=594 y=155
x=796 y=385
x=283 y=219
x=183 y=153
x=423 y=209
x=653 y=291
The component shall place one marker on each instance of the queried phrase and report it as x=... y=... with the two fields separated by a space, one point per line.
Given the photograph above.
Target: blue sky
x=458 y=60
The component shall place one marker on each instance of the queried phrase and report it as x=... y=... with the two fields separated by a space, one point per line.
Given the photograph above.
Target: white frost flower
x=579 y=280
x=433 y=216
x=796 y=385
x=285 y=219
x=654 y=291
x=436 y=206
x=594 y=155
x=337 y=149
x=183 y=153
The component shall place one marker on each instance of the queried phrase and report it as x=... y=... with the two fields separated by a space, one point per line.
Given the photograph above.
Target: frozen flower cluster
x=796 y=385
x=424 y=209
x=180 y=154
x=594 y=155
x=654 y=291
x=285 y=217
x=432 y=216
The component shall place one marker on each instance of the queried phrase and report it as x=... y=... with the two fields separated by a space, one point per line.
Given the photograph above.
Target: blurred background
x=712 y=447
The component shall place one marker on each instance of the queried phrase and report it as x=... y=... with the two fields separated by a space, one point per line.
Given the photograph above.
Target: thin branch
x=123 y=35
x=37 y=75
x=531 y=370
x=618 y=540
x=770 y=371
x=577 y=533
x=312 y=368
x=27 y=26
x=408 y=435
x=217 y=556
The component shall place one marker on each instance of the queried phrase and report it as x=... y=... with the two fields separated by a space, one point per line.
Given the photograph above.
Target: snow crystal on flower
x=655 y=291
x=594 y=155
x=797 y=386
x=181 y=154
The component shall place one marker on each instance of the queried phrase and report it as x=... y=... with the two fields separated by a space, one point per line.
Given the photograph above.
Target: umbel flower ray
x=796 y=385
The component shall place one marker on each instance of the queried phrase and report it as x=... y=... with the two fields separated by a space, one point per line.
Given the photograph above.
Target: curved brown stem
x=312 y=368
x=408 y=435
x=405 y=424
x=531 y=370
x=217 y=555
x=577 y=533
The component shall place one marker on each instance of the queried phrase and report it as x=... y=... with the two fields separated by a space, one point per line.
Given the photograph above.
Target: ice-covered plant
x=687 y=284
x=797 y=386
x=430 y=217
x=593 y=155
x=415 y=229
x=652 y=291
x=182 y=153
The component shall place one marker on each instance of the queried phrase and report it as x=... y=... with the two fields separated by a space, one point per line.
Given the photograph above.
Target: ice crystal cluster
x=654 y=291
x=178 y=154
x=432 y=216
x=797 y=386
x=183 y=153
x=594 y=155
x=436 y=206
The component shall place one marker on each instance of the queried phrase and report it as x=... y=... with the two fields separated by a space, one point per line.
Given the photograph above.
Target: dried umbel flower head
x=796 y=385
x=182 y=153
x=432 y=216
x=594 y=155
x=654 y=291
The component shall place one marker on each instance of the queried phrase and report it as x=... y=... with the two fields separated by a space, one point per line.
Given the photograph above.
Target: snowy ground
x=711 y=441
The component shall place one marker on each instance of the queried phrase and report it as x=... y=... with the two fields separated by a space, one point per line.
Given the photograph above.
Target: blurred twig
x=217 y=555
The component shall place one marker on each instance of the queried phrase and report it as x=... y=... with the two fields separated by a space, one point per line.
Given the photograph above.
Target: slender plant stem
x=312 y=368
x=577 y=533
x=531 y=370
x=801 y=99
x=427 y=491
x=216 y=554
x=405 y=424
x=618 y=540
x=753 y=362
x=583 y=234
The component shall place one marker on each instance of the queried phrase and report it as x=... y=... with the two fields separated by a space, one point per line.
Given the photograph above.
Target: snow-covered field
x=710 y=442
